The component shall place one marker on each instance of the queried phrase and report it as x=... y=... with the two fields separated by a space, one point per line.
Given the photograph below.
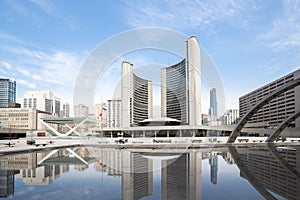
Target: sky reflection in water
x=236 y=173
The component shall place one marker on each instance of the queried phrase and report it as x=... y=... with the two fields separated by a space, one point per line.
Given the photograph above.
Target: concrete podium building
x=278 y=109
x=181 y=87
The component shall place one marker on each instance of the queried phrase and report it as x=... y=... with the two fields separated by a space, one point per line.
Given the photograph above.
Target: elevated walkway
x=66 y=121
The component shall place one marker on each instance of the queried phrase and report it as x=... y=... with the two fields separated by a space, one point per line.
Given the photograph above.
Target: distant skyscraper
x=81 y=111
x=213 y=162
x=213 y=108
x=136 y=97
x=181 y=87
x=7 y=92
x=64 y=109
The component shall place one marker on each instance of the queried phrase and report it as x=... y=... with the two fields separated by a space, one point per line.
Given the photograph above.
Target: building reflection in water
x=27 y=166
x=272 y=168
x=181 y=177
x=267 y=168
x=213 y=162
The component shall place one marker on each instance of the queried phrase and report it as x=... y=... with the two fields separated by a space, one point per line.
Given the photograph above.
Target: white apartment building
x=64 y=109
x=231 y=116
x=81 y=111
x=44 y=101
x=114 y=113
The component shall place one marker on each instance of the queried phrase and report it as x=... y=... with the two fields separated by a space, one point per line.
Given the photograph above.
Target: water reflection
x=270 y=168
x=165 y=174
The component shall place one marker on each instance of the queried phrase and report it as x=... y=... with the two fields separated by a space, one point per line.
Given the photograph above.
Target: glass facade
x=7 y=92
x=177 y=91
x=213 y=109
x=140 y=99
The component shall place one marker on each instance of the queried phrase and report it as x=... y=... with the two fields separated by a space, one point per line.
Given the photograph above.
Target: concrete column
x=194 y=133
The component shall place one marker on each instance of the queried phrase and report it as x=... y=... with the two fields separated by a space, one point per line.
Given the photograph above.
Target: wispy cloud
x=285 y=31
x=23 y=71
x=8 y=37
x=6 y=65
x=26 y=83
x=40 y=69
x=50 y=9
x=182 y=14
x=25 y=9
x=19 y=8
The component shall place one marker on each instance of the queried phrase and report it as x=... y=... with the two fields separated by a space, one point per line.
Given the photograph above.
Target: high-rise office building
x=44 y=101
x=278 y=109
x=64 y=109
x=213 y=108
x=136 y=94
x=114 y=113
x=7 y=92
x=181 y=87
x=81 y=111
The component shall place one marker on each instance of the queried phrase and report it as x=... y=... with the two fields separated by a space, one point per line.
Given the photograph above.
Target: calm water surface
x=99 y=173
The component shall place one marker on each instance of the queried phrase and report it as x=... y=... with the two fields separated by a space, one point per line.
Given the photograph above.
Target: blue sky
x=43 y=43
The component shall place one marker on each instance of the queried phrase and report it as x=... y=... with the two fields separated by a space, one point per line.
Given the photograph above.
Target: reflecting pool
x=257 y=172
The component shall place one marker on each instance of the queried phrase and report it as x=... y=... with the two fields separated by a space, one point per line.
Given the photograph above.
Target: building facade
x=81 y=111
x=207 y=118
x=137 y=176
x=231 y=117
x=7 y=92
x=213 y=108
x=44 y=101
x=114 y=113
x=136 y=94
x=272 y=173
x=278 y=109
x=64 y=109
x=181 y=178
x=101 y=114
x=22 y=118
x=181 y=87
